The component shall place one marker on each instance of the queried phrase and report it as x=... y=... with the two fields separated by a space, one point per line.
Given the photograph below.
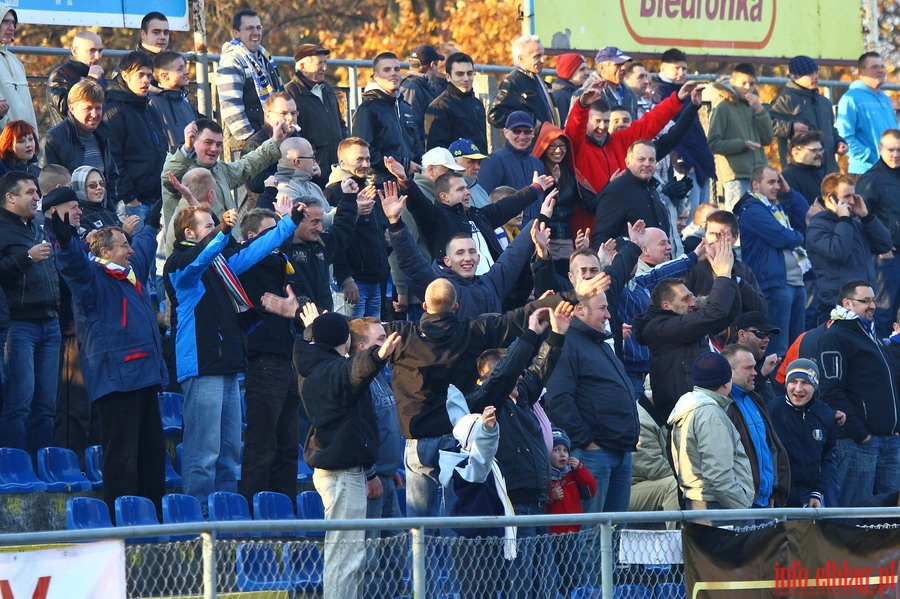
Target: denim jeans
x=699 y=194
x=733 y=191
x=344 y=495
x=385 y=550
x=612 y=469
x=141 y=210
x=31 y=372
x=212 y=435
x=422 y=485
x=369 y=303
x=787 y=311
x=867 y=469
x=887 y=287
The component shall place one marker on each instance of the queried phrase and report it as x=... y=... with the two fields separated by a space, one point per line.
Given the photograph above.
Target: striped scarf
x=798 y=252
x=262 y=80
x=239 y=299
x=118 y=272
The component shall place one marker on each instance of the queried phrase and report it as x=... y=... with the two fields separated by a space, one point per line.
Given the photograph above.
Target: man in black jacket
x=385 y=120
x=858 y=380
x=135 y=133
x=342 y=444
x=523 y=89
x=880 y=186
x=456 y=113
x=419 y=88
x=170 y=98
x=677 y=332
x=76 y=141
x=87 y=50
x=804 y=172
x=317 y=107
x=30 y=282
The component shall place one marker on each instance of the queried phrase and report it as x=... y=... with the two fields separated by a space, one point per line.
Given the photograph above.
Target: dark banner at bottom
x=791 y=559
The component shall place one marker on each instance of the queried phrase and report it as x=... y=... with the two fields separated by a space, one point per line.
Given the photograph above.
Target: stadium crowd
x=617 y=309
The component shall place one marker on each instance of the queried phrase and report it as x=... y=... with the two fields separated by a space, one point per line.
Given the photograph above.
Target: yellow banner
x=829 y=29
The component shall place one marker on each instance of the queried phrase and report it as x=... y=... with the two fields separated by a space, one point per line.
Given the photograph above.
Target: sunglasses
x=96 y=184
x=759 y=334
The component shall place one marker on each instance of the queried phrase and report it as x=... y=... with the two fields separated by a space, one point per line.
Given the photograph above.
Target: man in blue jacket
x=121 y=352
x=772 y=220
x=207 y=303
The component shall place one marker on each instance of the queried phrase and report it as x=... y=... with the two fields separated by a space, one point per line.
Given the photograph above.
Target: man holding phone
x=841 y=240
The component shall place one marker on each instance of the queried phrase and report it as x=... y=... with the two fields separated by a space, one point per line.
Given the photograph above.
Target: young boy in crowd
x=570 y=482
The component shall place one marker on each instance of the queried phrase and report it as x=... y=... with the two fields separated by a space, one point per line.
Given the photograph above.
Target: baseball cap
x=425 y=54
x=519 y=118
x=755 y=320
x=466 y=148
x=611 y=54
x=440 y=157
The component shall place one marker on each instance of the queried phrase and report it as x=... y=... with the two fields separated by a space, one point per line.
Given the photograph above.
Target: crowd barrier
x=632 y=555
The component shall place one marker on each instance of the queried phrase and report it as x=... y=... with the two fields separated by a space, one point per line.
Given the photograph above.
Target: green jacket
x=731 y=123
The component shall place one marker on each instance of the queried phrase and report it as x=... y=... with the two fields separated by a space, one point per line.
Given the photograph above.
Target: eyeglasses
x=285 y=113
x=125 y=245
x=522 y=131
x=252 y=28
x=814 y=150
x=865 y=300
x=96 y=184
x=554 y=147
x=759 y=334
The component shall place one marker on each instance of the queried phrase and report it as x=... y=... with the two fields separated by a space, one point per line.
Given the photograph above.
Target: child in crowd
x=570 y=482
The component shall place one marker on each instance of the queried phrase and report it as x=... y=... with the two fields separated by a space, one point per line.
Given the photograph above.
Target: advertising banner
x=99 y=13
x=825 y=29
x=84 y=571
x=790 y=559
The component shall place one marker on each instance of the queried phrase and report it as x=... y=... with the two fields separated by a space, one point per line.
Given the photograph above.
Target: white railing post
x=209 y=564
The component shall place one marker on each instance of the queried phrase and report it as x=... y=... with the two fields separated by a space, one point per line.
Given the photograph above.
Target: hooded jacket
x=574 y=190
x=842 y=248
x=675 y=340
x=14 y=85
x=386 y=121
x=60 y=82
x=589 y=394
x=709 y=459
x=335 y=392
x=137 y=143
x=857 y=378
x=320 y=119
x=731 y=123
x=454 y=115
x=94 y=215
x=297 y=183
x=863 y=115
x=809 y=436
x=796 y=104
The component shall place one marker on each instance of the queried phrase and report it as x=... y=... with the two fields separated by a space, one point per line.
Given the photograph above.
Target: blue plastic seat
x=59 y=468
x=171 y=412
x=230 y=507
x=304 y=472
x=258 y=569
x=93 y=465
x=632 y=591
x=173 y=479
x=586 y=593
x=304 y=565
x=132 y=510
x=268 y=505
x=178 y=508
x=17 y=472
x=87 y=512
x=310 y=507
x=670 y=590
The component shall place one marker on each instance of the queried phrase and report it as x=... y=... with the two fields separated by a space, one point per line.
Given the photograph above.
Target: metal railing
x=214 y=568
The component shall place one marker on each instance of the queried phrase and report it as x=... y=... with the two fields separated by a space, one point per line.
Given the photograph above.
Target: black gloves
x=61 y=228
x=153 y=219
x=297 y=215
x=678 y=189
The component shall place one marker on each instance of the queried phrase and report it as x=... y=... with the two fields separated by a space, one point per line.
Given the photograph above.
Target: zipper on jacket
x=893 y=391
x=124 y=311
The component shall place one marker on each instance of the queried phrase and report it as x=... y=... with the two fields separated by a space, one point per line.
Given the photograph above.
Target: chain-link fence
x=625 y=556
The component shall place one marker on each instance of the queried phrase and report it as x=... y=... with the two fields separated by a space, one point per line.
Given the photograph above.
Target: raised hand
x=583 y=239
x=395 y=168
x=549 y=203
x=190 y=136
x=390 y=344
x=545 y=181
x=594 y=286
x=63 y=232
x=348 y=185
x=229 y=220
x=308 y=314
x=283 y=204
x=365 y=200
x=282 y=306
x=637 y=232
x=686 y=90
x=540 y=235
x=489 y=417
x=536 y=322
x=390 y=202
x=561 y=317
x=181 y=188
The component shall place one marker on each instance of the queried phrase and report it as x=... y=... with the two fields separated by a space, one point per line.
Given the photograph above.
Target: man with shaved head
x=87 y=50
x=297 y=168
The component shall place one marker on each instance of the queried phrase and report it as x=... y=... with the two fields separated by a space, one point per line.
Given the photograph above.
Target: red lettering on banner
x=714 y=10
x=40 y=591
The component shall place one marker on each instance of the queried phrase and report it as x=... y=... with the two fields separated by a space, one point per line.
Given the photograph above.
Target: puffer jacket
x=31 y=288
